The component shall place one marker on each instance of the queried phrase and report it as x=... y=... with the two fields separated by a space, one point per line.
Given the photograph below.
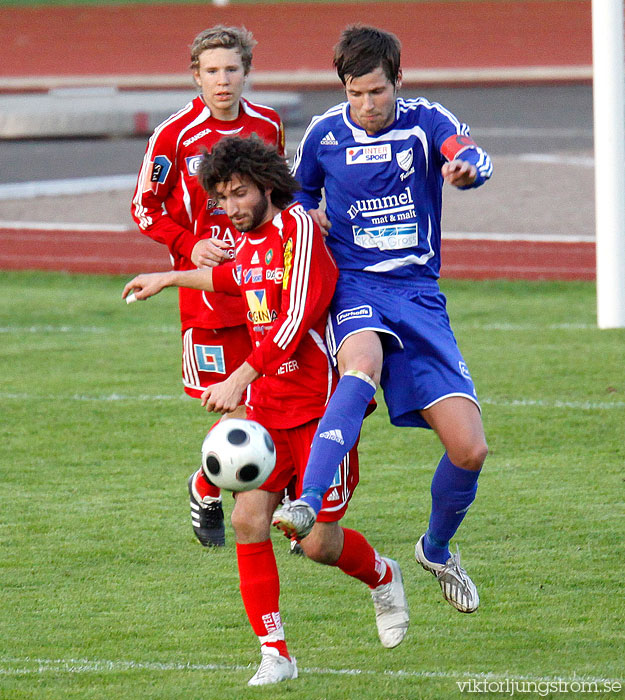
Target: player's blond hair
x=222 y=37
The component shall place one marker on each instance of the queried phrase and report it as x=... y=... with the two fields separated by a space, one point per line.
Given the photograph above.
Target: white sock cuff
x=277 y=636
x=360 y=375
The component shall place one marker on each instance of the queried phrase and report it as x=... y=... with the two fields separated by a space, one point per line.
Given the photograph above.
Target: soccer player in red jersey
x=286 y=276
x=170 y=206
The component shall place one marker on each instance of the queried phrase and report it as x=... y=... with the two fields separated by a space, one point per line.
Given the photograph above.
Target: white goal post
x=609 y=137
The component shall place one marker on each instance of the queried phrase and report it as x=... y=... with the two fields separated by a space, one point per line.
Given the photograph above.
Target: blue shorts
x=422 y=361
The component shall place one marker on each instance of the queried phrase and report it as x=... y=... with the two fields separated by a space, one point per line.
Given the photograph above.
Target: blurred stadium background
x=75 y=124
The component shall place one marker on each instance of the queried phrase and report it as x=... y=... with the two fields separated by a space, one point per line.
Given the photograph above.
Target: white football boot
x=391 y=608
x=273 y=668
x=457 y=587
x=295 y=519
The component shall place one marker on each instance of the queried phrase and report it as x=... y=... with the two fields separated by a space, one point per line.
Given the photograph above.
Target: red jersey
x=286 y=275
x=170 y=206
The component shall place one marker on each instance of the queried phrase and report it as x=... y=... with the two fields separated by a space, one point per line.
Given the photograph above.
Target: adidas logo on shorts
x=335 y=435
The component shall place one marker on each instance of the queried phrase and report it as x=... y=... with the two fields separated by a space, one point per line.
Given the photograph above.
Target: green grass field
x=105 y=593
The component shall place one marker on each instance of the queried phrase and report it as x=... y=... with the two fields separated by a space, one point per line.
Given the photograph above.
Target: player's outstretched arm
x=147 y=285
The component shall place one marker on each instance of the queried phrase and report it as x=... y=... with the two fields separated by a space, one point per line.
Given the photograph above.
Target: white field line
x=63 y=226
x=18 y=330
x=69 y=186
x=555 y=403
x=504 y=327
x=554 y=159
x=512 y=237
x=28 y=666
x=501 y=403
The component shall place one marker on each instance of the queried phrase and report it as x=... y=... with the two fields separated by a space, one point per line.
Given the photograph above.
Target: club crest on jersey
x=161 y=165
x=193 y=163
x=405 y=160
x=257 y=305
x=269 y=256
x=368 y=154
x=238 y=274
x=464 y=371
x=210 y=358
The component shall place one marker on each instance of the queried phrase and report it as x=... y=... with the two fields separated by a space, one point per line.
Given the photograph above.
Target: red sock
x=203 y=487
x=360 y=560
x=260 y=590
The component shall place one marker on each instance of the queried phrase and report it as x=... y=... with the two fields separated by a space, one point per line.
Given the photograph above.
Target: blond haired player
x=170 y=207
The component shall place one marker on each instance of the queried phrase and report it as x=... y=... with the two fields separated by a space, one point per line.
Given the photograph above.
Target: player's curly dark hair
x=361 y=49
x=250 y=158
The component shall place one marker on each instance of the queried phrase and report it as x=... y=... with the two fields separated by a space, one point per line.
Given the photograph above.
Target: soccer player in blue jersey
x=382 y=161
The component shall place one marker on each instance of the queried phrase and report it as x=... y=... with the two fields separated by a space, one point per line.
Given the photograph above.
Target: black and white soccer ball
x=238 y=455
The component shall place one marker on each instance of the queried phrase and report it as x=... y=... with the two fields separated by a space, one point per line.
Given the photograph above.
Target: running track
x=98 y=251
x=153 y=40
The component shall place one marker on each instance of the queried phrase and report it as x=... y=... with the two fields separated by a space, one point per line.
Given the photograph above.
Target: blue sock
x=453 y=490
x=337 y=433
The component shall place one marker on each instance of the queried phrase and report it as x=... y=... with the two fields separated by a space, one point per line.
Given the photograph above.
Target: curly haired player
x=286 y=275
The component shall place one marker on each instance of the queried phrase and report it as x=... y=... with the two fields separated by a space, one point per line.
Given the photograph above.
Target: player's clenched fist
x=459 y=173
x=209 y=252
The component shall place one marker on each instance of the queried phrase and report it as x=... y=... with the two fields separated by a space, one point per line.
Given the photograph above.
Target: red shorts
x=292 y=450
x=210 y=356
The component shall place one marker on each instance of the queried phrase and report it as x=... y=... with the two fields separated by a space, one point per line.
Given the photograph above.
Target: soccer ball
x=238 y=455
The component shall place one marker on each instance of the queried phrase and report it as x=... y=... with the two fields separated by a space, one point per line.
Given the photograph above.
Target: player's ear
x=196 y=77
x=400 y=77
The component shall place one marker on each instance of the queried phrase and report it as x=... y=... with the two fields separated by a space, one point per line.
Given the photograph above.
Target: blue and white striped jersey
x=383 y=192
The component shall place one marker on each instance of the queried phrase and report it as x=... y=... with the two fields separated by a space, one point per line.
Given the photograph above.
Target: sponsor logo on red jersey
x=259 y=312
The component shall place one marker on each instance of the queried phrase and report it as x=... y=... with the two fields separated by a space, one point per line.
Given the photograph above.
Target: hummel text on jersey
x=335 y=435
x=379 y=206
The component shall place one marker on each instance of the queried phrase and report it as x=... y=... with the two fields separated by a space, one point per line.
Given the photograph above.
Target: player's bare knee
x=249 y=525
x=362 y=353
x=318 y=551
x=472 y=457
x=365 y=368
x=324 y=544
